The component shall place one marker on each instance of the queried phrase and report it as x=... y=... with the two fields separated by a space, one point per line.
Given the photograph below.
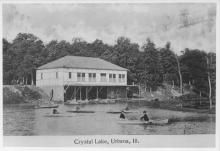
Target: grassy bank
x=174 y=104
x=179 y=107
x=165 y=98
x=16 y=94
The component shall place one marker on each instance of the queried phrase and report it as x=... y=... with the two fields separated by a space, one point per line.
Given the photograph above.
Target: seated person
x=144 y=117
x=122 y=115
x=77 y=108
x=55 y=111
x=126 y=108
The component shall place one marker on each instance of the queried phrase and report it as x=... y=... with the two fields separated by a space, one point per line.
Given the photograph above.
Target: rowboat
x=118 y=112
x=46 y=106
x=57 y=115
x=138 y=122
x=81 y=111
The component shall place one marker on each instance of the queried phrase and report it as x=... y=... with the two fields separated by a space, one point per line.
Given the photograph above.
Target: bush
x=31 y=94
x=27 y=94
x=189 y=97
x=10 y=97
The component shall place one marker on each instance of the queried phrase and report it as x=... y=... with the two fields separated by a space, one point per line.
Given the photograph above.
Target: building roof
x=78 y=62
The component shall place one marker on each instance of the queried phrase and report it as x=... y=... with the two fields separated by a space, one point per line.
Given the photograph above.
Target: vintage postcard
x=109 y=74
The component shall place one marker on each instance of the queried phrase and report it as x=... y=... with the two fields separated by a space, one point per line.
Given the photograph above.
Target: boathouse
x=82 y=78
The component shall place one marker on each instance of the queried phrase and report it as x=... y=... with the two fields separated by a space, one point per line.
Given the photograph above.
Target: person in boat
x=77 y=108
x=126 y=108
x=55 y=111
x=122 y=115
x=144 y=117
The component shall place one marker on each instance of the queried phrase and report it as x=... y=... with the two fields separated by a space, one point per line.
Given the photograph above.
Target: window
x=121 y=77
x=70 y=75
x=92 y=77
x=41 y=75
x=112 y=77
x=83 y=77
x=103 y=77
x=56 y=75
x=80 y=76
x=103 y=74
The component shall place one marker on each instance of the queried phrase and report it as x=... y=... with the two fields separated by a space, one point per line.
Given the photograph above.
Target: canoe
x=57 y=115
x=46 y=106
x=138 y=122
x=118 y=112
x=81 y=111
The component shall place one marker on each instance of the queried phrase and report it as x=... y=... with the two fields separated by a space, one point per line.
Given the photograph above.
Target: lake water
x=23 y=120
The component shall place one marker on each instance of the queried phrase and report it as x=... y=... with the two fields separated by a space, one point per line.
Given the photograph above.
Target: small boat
x=118 y=112
x=138 y=122
x=81 y=111
x=57 y=115
x=46 y=106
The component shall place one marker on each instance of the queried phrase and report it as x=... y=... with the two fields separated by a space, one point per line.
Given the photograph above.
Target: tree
x=194 y=66
x=57 y=49
x=169 y=64
x=151 y=69
x=96 y=48
x=79 y=47
x=211 y=75
x=199 y=68
x=24 y=46
x=180 y=74
x=7 y=65
x=126 y=54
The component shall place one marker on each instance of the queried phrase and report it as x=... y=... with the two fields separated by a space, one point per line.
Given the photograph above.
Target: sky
x=185 y=25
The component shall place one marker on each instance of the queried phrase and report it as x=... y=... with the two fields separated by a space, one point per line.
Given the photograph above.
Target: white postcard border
x=148 y=137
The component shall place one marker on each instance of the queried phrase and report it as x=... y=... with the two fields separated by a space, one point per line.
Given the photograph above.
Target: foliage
x=10 y=97
x=150 y=67
x=194 y=68
x=147 y=65
x=169 y=64
x=29 y=93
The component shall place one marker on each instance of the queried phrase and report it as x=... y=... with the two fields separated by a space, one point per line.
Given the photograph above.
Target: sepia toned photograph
x=122 y=69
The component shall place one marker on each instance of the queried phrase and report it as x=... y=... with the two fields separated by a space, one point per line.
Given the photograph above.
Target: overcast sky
x=159 y=22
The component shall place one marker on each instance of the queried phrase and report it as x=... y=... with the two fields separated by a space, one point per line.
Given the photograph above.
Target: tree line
x=148 y=64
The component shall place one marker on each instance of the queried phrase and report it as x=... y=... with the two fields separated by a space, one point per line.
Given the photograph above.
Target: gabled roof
x=78 y=62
